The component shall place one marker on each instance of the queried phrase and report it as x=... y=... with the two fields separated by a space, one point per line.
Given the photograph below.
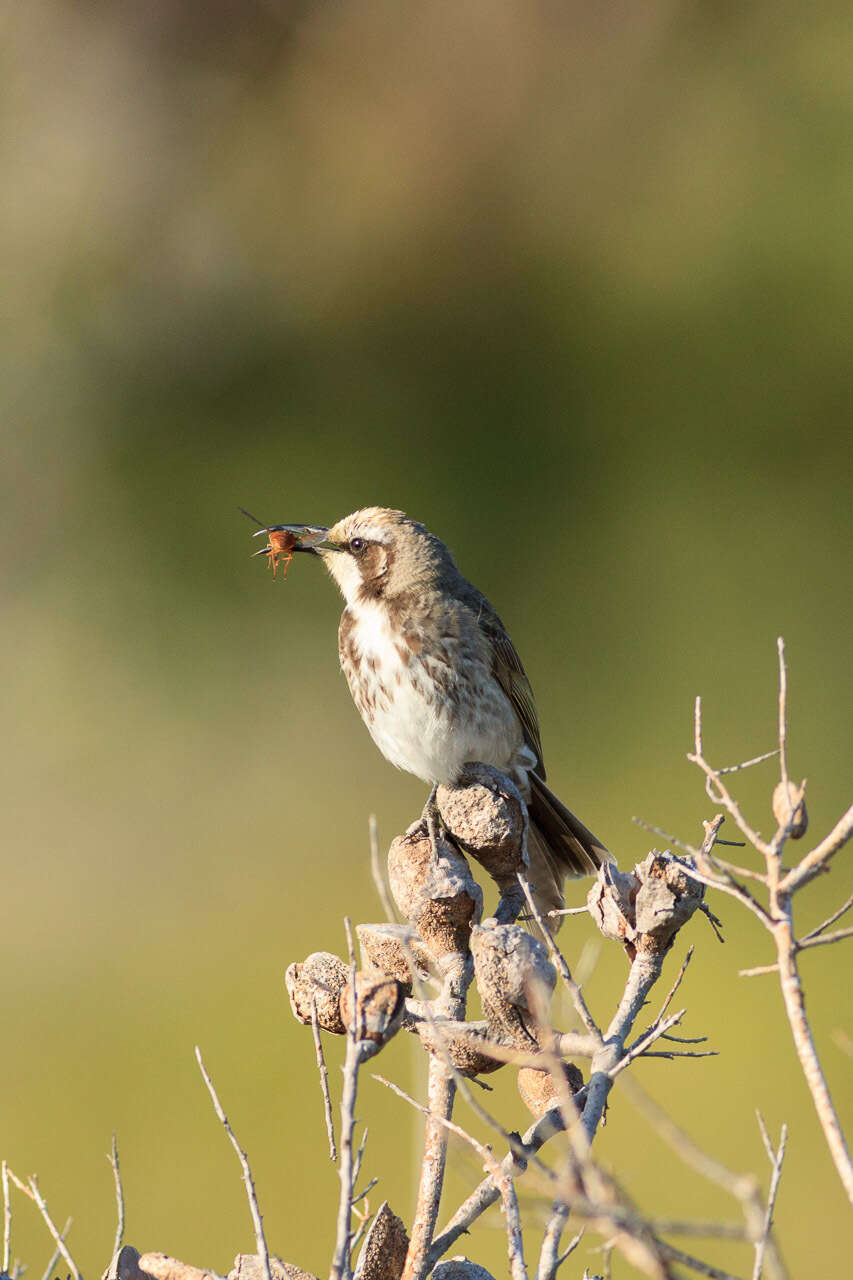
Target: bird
x=436 y=677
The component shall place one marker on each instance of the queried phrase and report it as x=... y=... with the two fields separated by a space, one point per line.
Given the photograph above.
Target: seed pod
x=460 y=1269
x=538 y=1089
x=322 y=978
x=666 y=899
x=437 y=895
x=461 y=1045
x=379 y=1006
x=611 y=903
x=789 y=806
x=515 y=979
x=383 y=1253
x=385 y=947
x=487 y=818
x=250 y=1266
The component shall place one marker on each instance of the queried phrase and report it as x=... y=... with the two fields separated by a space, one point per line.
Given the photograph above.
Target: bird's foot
x=432 y=818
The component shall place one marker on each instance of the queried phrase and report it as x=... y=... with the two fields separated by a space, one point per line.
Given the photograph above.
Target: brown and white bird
x=436 y=677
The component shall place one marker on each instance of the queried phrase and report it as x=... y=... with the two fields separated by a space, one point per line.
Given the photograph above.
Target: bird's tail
x=558 y=845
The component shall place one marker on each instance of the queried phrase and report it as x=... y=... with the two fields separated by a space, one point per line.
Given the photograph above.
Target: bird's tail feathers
x=558 y=846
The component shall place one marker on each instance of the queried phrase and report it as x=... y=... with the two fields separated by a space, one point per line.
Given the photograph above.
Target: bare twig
x=257 y=1220
x=836 y=915
x=560 y=964
x=775 y=1158
x=644 y=973
x=747 y=764
x=359 y=1156
x=113 y=1159
x=717 y=790
x=664 y=835
x=441 y=1091
x=695 y=1264
x=376 y=870
x=549 y=1254
x=704 y=852
x=355 y=1055
x=805 y=944
x=7 y=1220
x=783 y=711
x=758 y=970
x=567 y=1252
x=733 y=889
x=813 y=863
x=31 y=1189
x=743 y=1187
x=324 y=1081
x=641 y=1046
x=679 y=978
x=485 y=1193
x=502 y=1180
x=48 y=1271
x=792 y=995
x=366 y=1192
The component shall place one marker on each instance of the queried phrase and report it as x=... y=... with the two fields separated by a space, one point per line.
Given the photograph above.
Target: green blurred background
x=573 y=286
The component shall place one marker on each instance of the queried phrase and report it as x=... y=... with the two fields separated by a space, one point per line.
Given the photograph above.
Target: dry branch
x=248 y=1181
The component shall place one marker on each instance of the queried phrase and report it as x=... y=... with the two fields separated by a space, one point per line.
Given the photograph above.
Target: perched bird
x=436 y=677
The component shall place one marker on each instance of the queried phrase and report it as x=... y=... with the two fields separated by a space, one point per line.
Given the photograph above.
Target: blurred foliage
x=573 y=285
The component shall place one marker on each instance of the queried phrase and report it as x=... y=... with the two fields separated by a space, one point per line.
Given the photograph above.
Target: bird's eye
x=357 y=545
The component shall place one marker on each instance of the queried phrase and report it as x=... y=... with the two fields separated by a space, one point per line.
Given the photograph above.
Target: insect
x=284 y=539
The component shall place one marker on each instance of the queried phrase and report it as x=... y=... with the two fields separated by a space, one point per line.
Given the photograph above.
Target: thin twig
x=783 y=712
x=359 y=1156
x=257 y=1220
x=441 y=1092
x=567 y=1252
x=795 y=1007
x=364 y=1223
x=679 y=978
x=747 y=764
x=7 y=1220
x=367 y=1190
x=376 y=870
x=560 y=964
x=31 y=1189
x=836 y=915
x=735 y=891
x=49 y=1269
x=695 y=1264
x=324 y=1081
x=549 y=1254
x=813 y=863
x=644 y=973
x=758 y=971
x=743 y=1187
x=341 y=1269
x=713 y=780
x=775 y=1158
x=113 y=1159
x=502 y=1180
x=805 y=944
x=485 y=1193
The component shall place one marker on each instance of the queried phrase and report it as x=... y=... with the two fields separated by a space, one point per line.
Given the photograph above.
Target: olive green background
x=573 y=287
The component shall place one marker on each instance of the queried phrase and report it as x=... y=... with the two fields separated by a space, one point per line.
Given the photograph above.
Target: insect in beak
x=285 y=539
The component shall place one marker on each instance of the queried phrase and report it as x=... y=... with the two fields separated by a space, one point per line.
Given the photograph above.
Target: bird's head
x=377 y=554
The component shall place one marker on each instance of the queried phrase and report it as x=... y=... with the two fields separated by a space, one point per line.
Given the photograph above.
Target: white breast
x=403 y=699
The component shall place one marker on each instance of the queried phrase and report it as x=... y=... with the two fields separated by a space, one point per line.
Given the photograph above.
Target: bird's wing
x=511 y=676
